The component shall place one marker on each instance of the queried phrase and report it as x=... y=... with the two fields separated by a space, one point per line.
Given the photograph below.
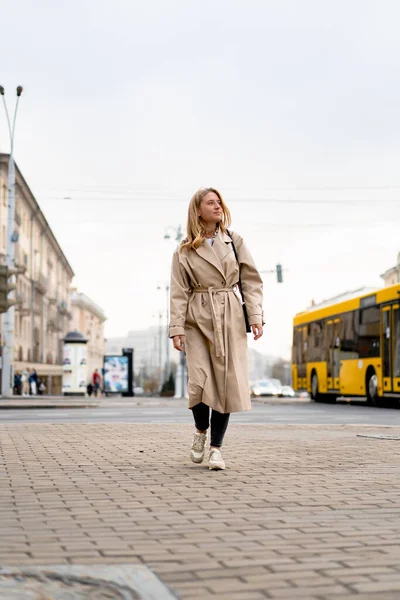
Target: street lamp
x=178 y=237
x=167 y=342
x=177 y=231
x=12 y=237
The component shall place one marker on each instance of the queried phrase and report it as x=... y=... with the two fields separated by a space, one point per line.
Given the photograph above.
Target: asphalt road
x=300 y=413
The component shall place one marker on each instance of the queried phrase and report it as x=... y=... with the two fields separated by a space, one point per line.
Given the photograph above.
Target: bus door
x=302 y=357
x=396 y=347
x=390 y=343
x=333 y=354
x=386 y=345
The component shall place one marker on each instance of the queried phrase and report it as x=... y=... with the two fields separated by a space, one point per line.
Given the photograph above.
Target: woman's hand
x=179 y=342
x=257 y=331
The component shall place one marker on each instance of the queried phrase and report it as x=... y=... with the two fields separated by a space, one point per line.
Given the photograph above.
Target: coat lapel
x=222 y=245
x=216 y=253
x=207 y=252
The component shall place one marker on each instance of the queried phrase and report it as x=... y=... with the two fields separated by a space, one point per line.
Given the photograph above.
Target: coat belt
x=219 y=335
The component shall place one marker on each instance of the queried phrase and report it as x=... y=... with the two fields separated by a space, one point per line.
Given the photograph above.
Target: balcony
x=52 y=325
x=22 y=307
x=41 y=283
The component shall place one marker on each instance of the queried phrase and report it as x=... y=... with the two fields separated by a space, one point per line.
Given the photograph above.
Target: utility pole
x=160 y=350
x=7 y=383
x=178 y=237
x=167 y=359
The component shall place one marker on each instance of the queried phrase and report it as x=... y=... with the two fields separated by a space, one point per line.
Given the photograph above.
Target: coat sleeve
x=180 y=292
x=251 y=282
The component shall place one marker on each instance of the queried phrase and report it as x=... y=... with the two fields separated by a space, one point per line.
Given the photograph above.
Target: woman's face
x=210 y=209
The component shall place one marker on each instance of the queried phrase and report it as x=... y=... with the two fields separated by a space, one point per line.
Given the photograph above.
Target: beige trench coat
x=206 y=308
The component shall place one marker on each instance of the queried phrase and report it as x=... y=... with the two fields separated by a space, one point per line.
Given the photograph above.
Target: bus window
x=369 y=332
x=316 y=342
x=349 y=338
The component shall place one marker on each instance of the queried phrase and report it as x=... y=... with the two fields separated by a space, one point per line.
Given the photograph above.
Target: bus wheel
x=372 y=388
x=315 y=395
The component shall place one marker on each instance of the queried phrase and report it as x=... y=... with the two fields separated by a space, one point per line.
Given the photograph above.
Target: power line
x=299 y=201
x=144 y=188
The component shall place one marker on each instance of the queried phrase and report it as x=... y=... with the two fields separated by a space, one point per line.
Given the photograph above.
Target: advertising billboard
x=116 y=374
x=74 y=377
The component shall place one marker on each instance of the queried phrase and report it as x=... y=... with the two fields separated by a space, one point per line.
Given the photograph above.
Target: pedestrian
x=33 y=382
x=17 y=384
x=25 y=382
x=208 y=320
x=96 y=381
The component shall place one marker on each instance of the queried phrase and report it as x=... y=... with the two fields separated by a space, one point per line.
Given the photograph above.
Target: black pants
x=219 y=422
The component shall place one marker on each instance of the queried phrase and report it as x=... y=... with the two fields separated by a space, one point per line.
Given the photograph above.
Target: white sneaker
x=215 y=460
x=197 y=449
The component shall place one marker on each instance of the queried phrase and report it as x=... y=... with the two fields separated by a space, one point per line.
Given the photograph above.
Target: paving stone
x=316 y=517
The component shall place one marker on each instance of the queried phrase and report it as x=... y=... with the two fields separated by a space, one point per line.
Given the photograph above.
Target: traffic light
x=6 y=287
x=279 y=276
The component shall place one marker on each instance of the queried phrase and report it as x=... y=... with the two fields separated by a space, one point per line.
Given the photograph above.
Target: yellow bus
x=349 y=346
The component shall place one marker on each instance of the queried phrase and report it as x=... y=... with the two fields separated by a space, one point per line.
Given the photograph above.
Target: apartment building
x=43 y=312
x=88 y=318
x=392 y=275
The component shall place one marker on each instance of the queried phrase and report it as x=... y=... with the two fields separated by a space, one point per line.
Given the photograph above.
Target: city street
x=270 y=411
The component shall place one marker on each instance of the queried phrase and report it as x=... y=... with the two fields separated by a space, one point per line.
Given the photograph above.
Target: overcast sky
x=290 y=108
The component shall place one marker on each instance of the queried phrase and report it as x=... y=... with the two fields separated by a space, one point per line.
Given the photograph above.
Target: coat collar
x=216 y=253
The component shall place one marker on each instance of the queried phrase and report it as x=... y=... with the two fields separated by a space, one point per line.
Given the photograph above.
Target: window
x=349 y=339
x=300 y=349
x=369 y=340
x=316 y=341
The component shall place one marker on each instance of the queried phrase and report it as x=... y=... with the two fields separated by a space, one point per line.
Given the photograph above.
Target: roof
x=349 y=301
x=75 y=337
x=342 y=297
x=37 y=211
x=389 y=272
x=81 y=300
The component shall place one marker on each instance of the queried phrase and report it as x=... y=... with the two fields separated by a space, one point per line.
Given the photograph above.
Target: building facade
x=392 y=275
x=43 y=311
x=88 y=318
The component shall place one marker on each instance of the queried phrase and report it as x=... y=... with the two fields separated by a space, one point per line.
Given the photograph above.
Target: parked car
x=288 y=392
x=264 y=387
x=277 y=383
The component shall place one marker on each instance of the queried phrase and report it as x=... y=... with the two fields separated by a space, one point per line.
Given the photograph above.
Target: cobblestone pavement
x=301 y=511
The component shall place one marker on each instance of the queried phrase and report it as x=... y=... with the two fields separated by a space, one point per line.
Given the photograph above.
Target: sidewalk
x=86 y=402
x=113 y=402
x=302 y=511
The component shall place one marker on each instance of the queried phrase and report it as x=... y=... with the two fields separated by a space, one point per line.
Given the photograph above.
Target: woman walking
x=207 y=319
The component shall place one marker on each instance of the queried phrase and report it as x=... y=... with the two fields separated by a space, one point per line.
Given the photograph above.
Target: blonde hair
x=195 y=224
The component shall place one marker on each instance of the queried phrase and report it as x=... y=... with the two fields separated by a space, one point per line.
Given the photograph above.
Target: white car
x=263 y=387
x=288 y=392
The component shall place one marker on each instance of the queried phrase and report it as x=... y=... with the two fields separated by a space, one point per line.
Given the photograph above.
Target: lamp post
x=167 y=342
x=177 y=231
x=7 y=383
x=178 y=235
